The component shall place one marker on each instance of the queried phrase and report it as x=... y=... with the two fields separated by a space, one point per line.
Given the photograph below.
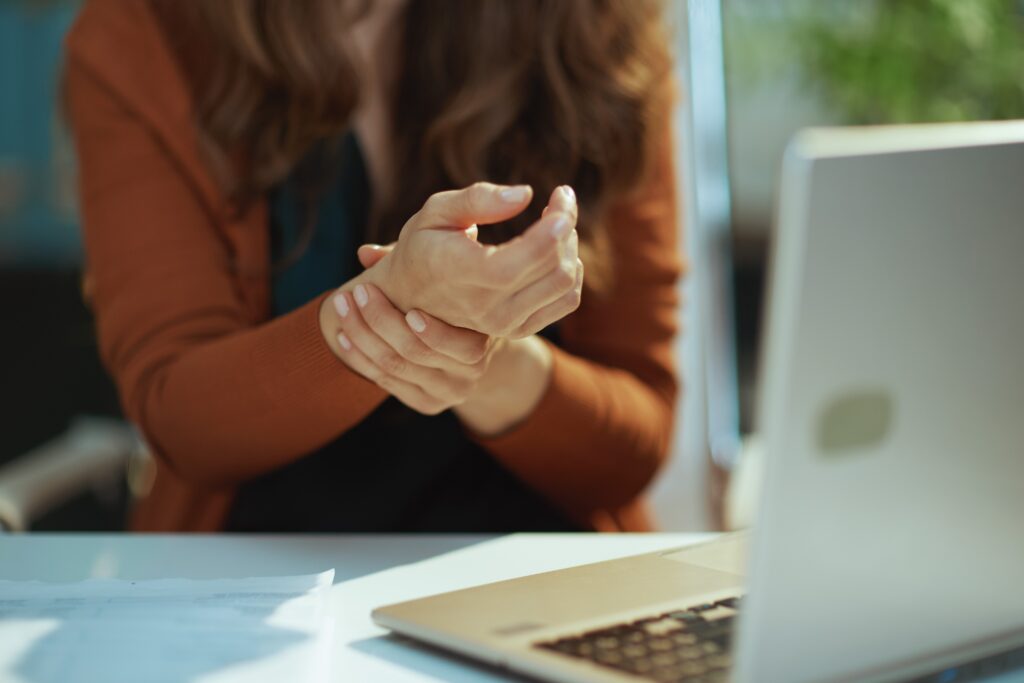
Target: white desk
x=370 y=571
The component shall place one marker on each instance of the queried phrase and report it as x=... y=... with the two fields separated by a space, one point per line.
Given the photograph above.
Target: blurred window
x=794 y=63
x=37 y=219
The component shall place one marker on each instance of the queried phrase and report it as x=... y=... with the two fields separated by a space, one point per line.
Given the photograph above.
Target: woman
x=234 y=154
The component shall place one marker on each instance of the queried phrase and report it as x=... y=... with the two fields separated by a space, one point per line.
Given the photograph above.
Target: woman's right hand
x=509 y=290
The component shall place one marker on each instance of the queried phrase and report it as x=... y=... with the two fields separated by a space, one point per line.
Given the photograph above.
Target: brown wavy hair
x=543 y=92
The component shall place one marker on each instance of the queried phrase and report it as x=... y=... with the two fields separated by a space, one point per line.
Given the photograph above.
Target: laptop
x=890 y=539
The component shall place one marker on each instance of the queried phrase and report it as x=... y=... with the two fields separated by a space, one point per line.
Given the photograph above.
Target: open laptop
x=890 y=543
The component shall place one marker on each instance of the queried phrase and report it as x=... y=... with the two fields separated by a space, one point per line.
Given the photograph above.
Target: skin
x=476 y=352
x=438 y=320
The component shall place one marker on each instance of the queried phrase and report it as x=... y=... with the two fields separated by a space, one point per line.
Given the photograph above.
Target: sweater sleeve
x=604 y=424
x=219 y=396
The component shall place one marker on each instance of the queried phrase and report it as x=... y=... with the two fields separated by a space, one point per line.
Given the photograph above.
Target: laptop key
x=664 y=659
x=685 y=616
x=565 y=645
x=721 y=615
x=609 y=657
x=662 y=626
x=692 y=668
x=711 y=629
x=676 y=646
x=634 y=637
x=722 y=661
x=684 y=638
x=668 y=674
x=635 y=651
x=690 y=653
x=661 y=644
x=637 y=666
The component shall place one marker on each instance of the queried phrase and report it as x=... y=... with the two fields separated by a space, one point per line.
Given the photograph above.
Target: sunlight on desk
x=166 y=631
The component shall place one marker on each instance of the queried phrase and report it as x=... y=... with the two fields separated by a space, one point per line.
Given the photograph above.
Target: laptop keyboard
x=689 y=645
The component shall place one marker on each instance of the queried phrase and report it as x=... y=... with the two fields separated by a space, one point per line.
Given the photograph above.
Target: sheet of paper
x=166 y=631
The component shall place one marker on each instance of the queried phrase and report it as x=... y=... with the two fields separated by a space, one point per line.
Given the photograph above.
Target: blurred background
x=787 y=64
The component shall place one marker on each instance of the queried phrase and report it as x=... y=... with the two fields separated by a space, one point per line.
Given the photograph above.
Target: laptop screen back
x=892 y=407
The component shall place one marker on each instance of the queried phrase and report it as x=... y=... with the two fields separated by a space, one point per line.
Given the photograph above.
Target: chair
x=94 y=453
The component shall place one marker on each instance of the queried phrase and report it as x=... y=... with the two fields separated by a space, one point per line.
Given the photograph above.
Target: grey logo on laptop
x=855 y=422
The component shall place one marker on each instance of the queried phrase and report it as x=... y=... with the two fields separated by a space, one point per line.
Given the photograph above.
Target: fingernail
x=416 y=321
x=514 y=195
x=341 y=305
x=343 y=340
x=560 y=225
x=361 y=296
x=570 y=196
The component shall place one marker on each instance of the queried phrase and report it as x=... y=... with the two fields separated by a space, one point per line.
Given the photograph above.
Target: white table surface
x=370 y=571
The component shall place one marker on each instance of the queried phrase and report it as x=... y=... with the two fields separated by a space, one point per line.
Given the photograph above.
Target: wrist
x=512 y=358
x=511 y=389
x=329 y=326
x=387 y=277
x=379 y=275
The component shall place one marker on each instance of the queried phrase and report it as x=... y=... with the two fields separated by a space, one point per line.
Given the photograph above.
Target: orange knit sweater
x=180 y=289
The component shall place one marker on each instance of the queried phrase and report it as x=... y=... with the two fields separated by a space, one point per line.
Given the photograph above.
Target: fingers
x=381 y=332
x=554 y=311
x=540 y=248
x=480 y=203
x=409 y=394
x=563 y=198
x=370 y=254
x=465 y=346
x=548 y=288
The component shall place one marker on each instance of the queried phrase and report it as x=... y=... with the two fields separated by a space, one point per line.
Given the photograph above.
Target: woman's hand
x=423 y=362
x=430 y=366
x=486 y=364
x=510 y=290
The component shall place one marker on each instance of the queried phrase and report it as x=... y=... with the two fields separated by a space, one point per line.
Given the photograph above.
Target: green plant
x=880 y=61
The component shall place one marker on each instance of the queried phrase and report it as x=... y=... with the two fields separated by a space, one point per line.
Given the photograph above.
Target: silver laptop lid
x=892 y=524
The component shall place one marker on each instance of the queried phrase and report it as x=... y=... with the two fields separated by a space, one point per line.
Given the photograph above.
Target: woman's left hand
x=425 y=363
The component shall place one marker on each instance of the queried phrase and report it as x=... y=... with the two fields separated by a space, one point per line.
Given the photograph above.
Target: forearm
x=511 y=389
x=252 y=399
x=595 y=439
x=245 y=402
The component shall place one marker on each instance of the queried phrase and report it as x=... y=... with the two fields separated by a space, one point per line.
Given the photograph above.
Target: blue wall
x=37 y=222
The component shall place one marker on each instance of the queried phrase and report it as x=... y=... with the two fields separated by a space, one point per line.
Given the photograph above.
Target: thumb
x=371 y=254
x=480 y=203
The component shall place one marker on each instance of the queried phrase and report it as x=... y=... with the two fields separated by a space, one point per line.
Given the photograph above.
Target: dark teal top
x=397 y=470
